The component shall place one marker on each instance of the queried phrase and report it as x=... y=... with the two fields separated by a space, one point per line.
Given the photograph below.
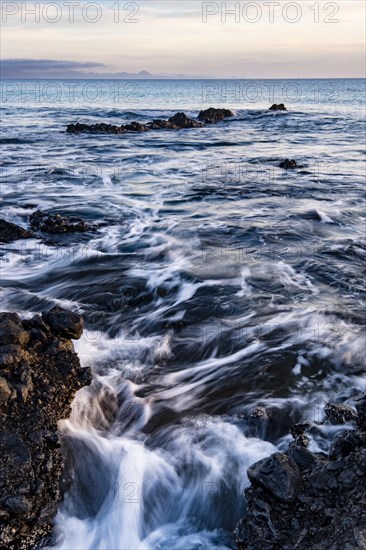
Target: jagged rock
x=361 y=412
x=180 y=121
x=100 y=128
x=55 y=223
x=63 y=323
x=36 y=390
x=259 y=413
x=289 y=164
x=135 y=127
x=10 y=232
x=159 y=124
x=5 y=392
x=278 y=474
x=277 y=107
x=347 y=442
x=212 y=115
x=301 y=440
x=340 y=413
x=11 y=330
x=329 y=508
x=304 y=459
x=299 y=429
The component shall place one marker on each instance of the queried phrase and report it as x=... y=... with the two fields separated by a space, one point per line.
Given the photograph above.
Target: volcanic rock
x=277 y=107
x=212 y=115
x=10 y=232
x=278 y=474
x=55 y=223
x=328 y=504
x=340 y=413
x=288 y=164
x=180 y=121
x=37 y=387
x=63 y=323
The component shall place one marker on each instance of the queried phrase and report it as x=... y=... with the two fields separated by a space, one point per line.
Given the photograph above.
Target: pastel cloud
x=171 y=37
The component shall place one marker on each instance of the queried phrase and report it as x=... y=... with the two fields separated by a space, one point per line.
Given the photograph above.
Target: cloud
x=45 y=68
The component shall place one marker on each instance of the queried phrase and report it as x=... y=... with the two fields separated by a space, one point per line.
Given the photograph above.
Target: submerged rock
x=55 y=223
x=288 y=164
x=277 y=107
x=325 y=495
x=212 y=115
x=37 y=387
x=10 y=232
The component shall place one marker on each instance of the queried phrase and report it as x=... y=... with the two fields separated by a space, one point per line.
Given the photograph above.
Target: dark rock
x=180 y=121
x=289 y=164
x=303 y=457
x=34 y=394
x=136 y=127
x=10 y=232
x=259 y=413
x=63 y=323
x=14 y=446
x=340 y=413
x=54 y=223
x=361 y=412
x=299 y=429
x=278 y=474
x=159 y=124
x=277 y=107
x=212 y=115
x=17 y=505
x=347 y=442
x=301 y=441
x=101 y=128
x=5 y=392
x=11 y=330
x=10 y=353
x=329 y=509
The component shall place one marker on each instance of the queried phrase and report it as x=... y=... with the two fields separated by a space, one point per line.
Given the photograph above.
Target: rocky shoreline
x=297 y=498
x=179 y=121
x=300 y=499
x=39 y=376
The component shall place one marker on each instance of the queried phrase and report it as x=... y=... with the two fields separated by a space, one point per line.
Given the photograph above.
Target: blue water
x=216 y=283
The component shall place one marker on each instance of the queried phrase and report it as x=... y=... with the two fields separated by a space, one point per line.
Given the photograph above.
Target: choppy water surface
x=216 y=283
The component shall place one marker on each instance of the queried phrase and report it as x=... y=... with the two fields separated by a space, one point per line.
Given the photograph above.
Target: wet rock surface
x=211 y=115
x=278 y=474
x=340 y=413
x=288 y=164
x=277 y=107
x=10 y=232
x=300 y=499
x=179 y=121
x=56 y=224
x=39 y=376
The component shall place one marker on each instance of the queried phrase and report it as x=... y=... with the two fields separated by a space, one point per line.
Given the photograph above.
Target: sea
x=223 y=296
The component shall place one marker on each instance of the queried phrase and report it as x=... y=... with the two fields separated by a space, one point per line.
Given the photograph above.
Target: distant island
x=56 y=69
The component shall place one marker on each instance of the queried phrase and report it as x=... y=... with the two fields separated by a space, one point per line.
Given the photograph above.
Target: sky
x=262 y=39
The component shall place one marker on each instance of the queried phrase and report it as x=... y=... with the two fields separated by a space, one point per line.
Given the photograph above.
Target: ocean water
x=216 y=283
